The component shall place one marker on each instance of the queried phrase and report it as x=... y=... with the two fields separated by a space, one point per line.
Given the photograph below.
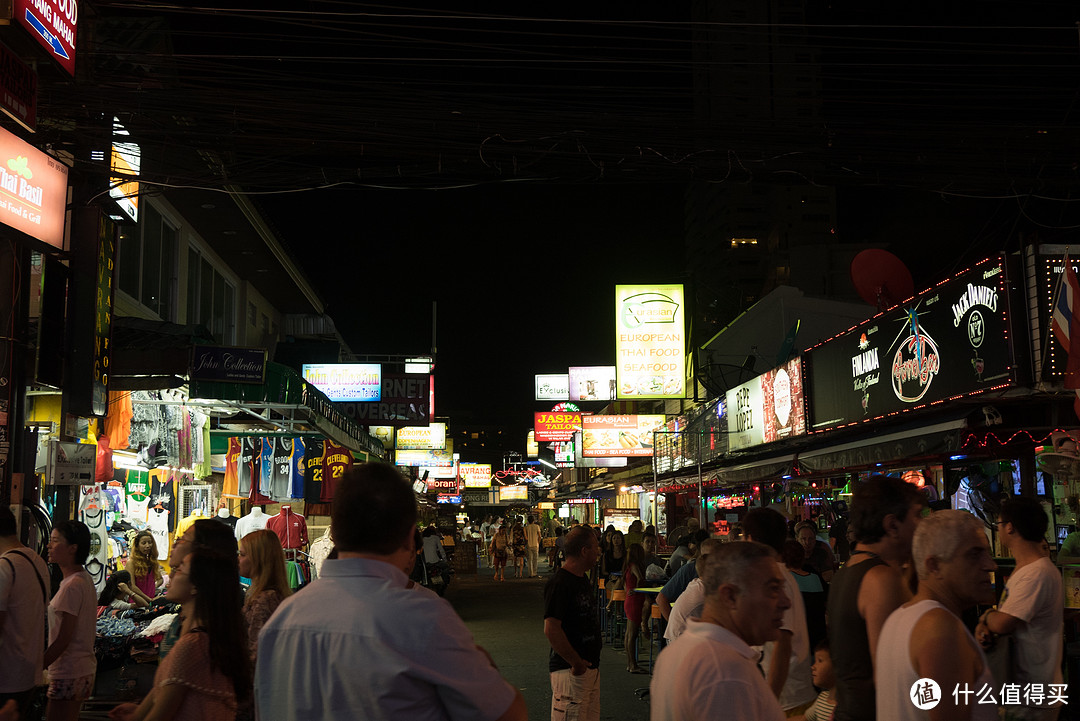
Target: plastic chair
x=617 y=623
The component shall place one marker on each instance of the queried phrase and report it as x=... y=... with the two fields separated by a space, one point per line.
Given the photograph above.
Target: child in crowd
x=822 y=671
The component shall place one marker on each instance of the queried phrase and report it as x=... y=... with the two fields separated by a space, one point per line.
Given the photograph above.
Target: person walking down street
x=519 y=544
x=885 y=512
x=359 y=643
x=572 y=627
x=633 y=576
x=72 y=624
x=711 y=671
x=1031 y=608
x=926 y=637
x=532 y=539
x=500 y=551
x=24 y=598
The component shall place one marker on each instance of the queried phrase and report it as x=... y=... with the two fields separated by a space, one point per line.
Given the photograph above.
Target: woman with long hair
x=120 y=593
x=143 y=563
x=208 y=672
x=263 y=561
x=72 y=624
x=633 y=576
x=498 y=550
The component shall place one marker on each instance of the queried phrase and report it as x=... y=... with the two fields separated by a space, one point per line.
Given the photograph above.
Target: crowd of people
x=749 y=633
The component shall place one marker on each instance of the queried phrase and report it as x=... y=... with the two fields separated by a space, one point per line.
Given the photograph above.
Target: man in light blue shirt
x=360 y=643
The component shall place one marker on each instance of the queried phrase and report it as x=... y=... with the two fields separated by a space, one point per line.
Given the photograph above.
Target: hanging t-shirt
x=299 y=469
x=313 y=472
x=337 y=460
x=158 y=522
x=245 y=466
x=266 y=466
x=282 y=469
x=230 y=486
x=136 y=510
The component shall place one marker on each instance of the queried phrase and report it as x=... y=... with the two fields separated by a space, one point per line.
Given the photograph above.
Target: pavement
x=507 y=619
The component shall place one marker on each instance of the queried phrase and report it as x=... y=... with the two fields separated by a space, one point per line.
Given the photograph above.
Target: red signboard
x=18 y=89
x=53 y=24
x=556 y=427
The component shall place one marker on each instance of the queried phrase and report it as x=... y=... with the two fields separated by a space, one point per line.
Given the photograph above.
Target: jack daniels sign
x=949 y=341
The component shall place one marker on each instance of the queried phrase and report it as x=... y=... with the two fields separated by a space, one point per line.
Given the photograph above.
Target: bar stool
x=656 y=637
x=617 y=623
x=601 y=603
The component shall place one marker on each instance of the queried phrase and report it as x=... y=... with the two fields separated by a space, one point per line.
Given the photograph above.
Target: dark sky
x=523 y=276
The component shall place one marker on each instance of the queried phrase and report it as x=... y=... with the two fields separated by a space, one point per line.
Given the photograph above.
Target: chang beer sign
x=650 y=341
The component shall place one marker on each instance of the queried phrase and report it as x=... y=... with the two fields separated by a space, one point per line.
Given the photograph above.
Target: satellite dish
x=881 y=279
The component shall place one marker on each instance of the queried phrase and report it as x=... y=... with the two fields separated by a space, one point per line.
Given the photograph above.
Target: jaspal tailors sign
x=556 y=426
x=33 y=191
x=949 y=341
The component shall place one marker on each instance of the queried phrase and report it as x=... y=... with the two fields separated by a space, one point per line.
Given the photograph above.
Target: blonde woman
x=263 y=561
x=143 y=563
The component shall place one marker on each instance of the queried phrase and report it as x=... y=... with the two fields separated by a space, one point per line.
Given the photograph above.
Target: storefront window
x=211 y=298
x=148 y=264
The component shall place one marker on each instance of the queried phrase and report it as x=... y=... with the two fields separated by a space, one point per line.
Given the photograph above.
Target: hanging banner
x=650 y=341
x=950 y=341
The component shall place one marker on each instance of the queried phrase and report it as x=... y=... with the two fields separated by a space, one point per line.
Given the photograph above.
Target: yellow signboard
x=475 y=475
x=429 y=437
x=650 y=341
x=532 y=448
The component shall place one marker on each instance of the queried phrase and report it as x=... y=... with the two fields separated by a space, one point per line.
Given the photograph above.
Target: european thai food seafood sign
x=650 y=342
x=949 y=341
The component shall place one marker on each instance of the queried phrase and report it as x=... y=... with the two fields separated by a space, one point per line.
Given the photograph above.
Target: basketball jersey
x=266 y=466
x=245 y=466
x=337 y=460
x=313 y=472
x=299 y=468
x=158 y=522
x=282 y=470
x=230 y=487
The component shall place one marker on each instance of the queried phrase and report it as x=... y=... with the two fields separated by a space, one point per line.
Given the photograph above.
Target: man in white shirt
x=1031 y=608
x=711 y=671
x=787 y=661
x=691 y=601
x=359 y=643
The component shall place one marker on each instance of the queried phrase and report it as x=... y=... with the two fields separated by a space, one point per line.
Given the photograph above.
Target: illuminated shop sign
x=448 y=498
x=442 y=484
x=406 y=400
x=949 y=341
x=607 y=436
x=552 y=387
x=650 y=341
x=431 y=458
x=514 y=493
x=430 y=437
x=33 y=191
x=768 y=408
x=556 y=427
x=346 y=381
x=125 y=162
x=54 y=24
x=475 y=475
x=532 y=448
x=592 y=383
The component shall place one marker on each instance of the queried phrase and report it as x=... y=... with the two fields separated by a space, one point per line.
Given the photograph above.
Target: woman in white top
x=72 y=622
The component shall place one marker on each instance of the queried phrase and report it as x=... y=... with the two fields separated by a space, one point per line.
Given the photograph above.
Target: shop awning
x=284 y=403
x=917 y=442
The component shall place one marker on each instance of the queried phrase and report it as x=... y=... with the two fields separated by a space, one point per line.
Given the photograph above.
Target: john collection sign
x=949 y=341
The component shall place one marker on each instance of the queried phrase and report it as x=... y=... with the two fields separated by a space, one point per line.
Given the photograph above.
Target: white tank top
x=894 y=676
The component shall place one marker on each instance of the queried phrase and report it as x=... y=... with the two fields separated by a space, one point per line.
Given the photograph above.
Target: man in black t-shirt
x=572 y=627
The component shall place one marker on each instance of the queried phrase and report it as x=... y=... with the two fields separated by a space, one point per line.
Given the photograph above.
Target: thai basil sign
x=949 y=341
x=231 y=365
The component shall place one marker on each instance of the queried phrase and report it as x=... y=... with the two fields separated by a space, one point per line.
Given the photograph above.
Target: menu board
x=949 y=341
x=605 y=436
